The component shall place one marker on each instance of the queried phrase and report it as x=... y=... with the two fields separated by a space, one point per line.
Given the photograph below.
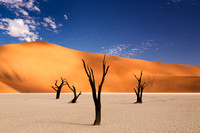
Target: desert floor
x=42 y=113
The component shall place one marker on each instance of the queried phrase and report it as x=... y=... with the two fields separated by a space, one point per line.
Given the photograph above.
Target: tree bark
x=139 y=100
x=58 y=94
x=75 y=98
x=97 y=120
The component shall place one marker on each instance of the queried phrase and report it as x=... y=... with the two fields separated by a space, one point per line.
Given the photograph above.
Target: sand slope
x=34 y=67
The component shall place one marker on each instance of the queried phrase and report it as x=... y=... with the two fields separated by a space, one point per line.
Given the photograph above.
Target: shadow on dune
x=11 y=86
x=13 y=77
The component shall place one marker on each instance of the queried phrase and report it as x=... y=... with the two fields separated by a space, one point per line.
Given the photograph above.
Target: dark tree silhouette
x=74 y=90
x=140 y=88
x=58 y=88
x=97 y=100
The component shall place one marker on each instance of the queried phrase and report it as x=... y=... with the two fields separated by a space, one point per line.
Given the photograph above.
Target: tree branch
x=143 y=86
x=103 y=77
x=92 y=82
x=85 y=68
x=74 y=90
x=56 y=83
x=135 y=91
x=79 y=94
x=54 y=88
x=136 y=77
x=141 y=75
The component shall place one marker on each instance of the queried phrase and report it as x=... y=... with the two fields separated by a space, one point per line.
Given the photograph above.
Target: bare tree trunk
x=139 y=100
x=74 y=91
x=141 y=97
x=58 y=94
x=97 y=120
x=140 y=88
x=96 y=99
x=58 y=88
x=75 y=98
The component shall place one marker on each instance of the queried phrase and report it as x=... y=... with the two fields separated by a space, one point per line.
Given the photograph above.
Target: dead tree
x=58 y=88
x=74 y=90
x=97 y=100
x=140 y=88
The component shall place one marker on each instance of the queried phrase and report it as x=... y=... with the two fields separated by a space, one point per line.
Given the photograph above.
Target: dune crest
x=34 y=67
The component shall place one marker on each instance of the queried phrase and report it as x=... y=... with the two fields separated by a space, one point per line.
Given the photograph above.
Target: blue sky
x=154 y=30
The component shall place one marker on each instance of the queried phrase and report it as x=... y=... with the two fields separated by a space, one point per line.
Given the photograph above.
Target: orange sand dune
x=34 y=67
